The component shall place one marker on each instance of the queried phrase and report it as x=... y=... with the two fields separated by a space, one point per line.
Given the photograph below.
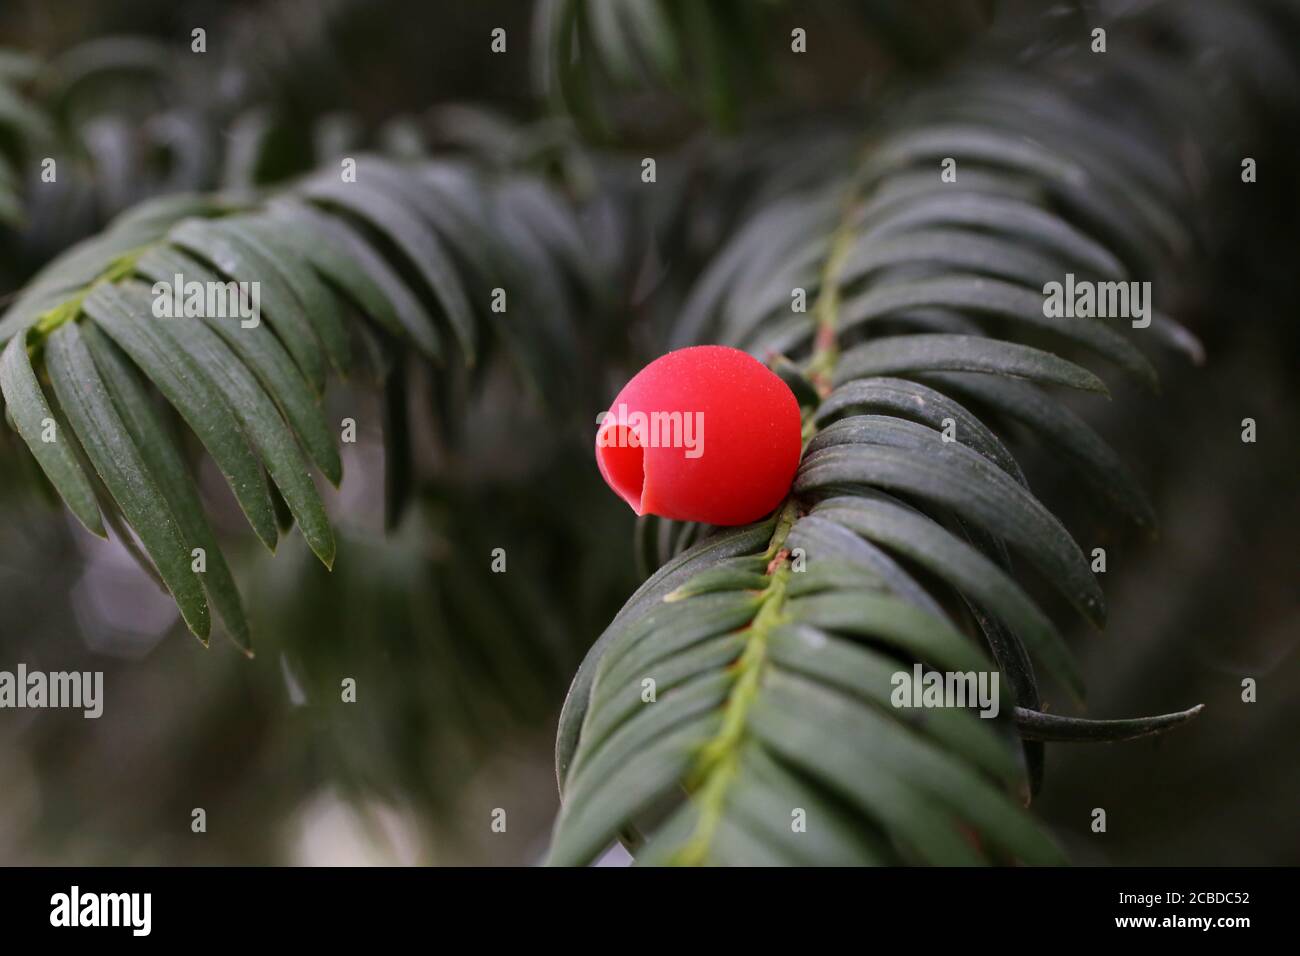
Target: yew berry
x=705 y=434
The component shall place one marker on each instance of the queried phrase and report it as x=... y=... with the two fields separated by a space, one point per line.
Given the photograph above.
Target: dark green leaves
x=1035 y=725
x=239 y=262
x=385 y=213
x=260 y=348
x=903 y=354
x=725 y=545
x=237 y=312
x=340 y=254
x=1060 y=430
x=258 y=418
x=949 y=477
x=112 y=450
x=723 y=711
x=1003 y=300
x=131 y=325
x=35 y=422
x=882 y=763
x=913 y=535
x=162 y=456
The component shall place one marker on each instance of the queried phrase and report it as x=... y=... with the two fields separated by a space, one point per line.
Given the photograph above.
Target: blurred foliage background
x=460 y=671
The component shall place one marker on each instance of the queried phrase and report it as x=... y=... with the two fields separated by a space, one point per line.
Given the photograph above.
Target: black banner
x=335 y=905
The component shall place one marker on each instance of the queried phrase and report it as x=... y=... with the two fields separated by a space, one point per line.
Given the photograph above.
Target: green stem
x=826 y=310
x=719 y=760
x=69 y=309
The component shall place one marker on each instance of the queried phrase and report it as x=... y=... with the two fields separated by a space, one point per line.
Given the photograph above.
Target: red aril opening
x=622 y=462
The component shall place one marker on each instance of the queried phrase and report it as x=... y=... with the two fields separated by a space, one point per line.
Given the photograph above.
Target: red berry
x=705 y=434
